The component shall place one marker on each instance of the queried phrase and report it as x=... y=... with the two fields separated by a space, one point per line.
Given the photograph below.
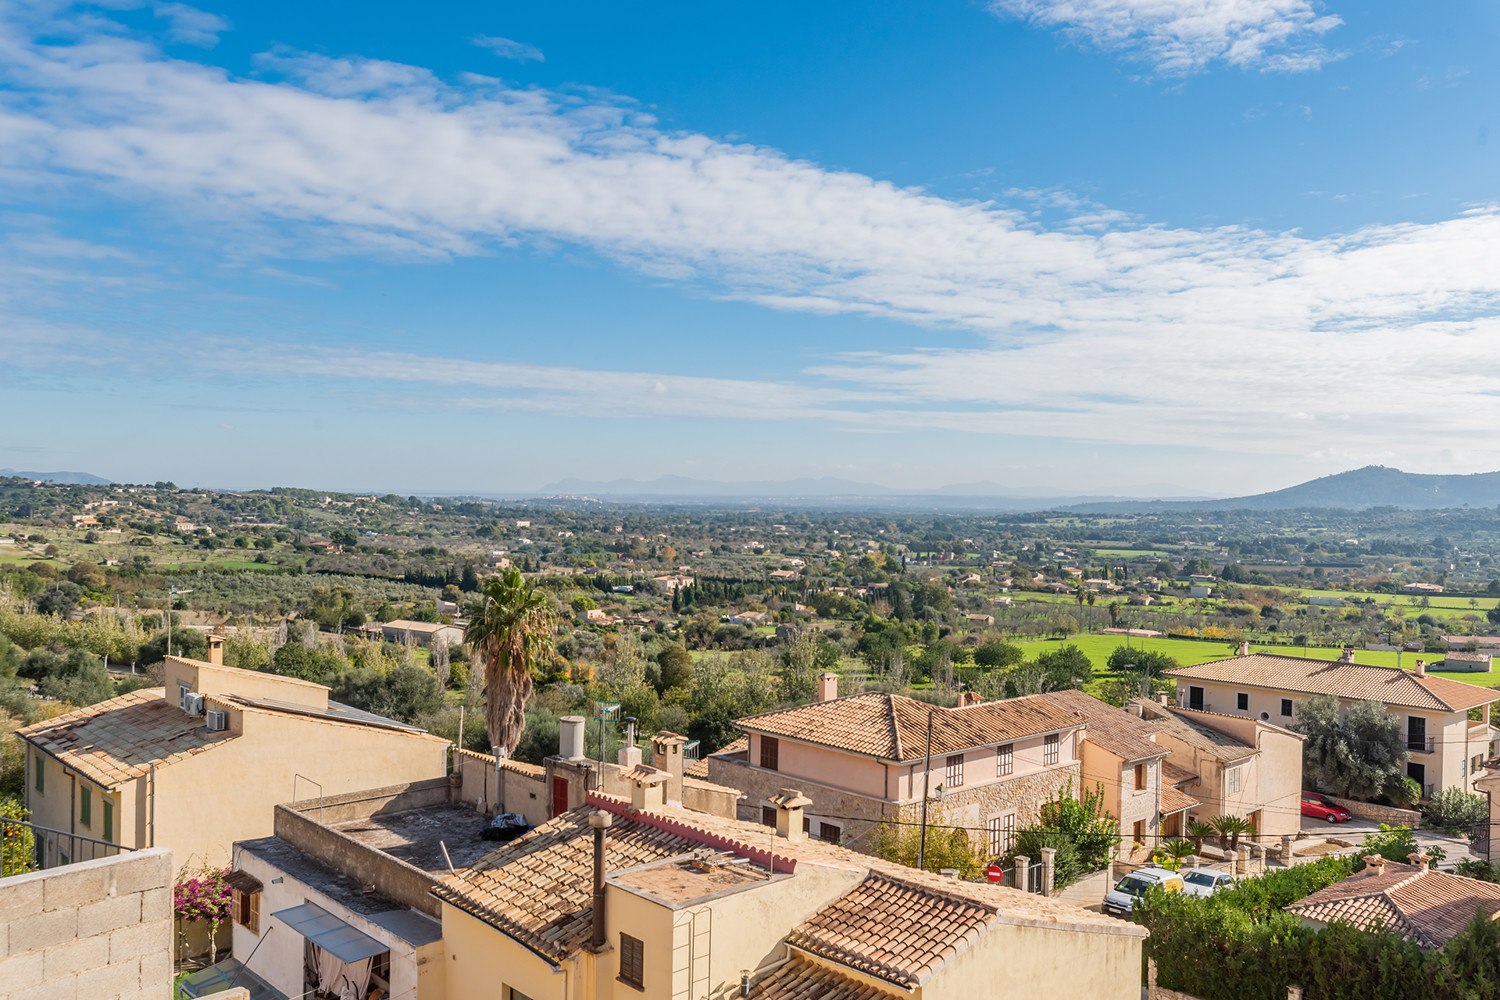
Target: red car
x=1318 y=806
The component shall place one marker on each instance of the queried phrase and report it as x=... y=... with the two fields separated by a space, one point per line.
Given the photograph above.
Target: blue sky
x=1081 y=244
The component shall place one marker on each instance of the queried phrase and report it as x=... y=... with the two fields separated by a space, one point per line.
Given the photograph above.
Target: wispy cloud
x=1097 y=326
x=1181 y=37
x=507 y=48
x=191 y=26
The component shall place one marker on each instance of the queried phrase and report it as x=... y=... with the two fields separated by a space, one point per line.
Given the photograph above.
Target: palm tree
x=1229 y=829
x=1198 y=833
x=510 y=629
x=1179 y=848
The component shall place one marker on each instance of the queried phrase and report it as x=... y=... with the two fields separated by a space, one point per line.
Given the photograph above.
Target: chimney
x=789 y=805
x=1376 y=863
x=666 y=754
x=570 y=737
x=647 y=788
x=599 y=822
x=967 y=698
x=1138 y=710
x=1419 y=859
x=216 y=650
x=1348 y=655
x=828 y=686
x=1421 y=668
x=1244 y=649
x=630 y=754
x=1161 y=697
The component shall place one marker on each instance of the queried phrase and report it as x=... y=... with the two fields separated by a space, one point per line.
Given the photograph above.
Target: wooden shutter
x=770 y=753
x=252 y=921
x=632 y=961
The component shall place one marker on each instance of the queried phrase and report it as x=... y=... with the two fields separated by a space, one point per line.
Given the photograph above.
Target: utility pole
x=926 y=784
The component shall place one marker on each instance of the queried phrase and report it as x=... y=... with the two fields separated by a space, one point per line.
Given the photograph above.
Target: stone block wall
x=95 y=930
x=1380 y=814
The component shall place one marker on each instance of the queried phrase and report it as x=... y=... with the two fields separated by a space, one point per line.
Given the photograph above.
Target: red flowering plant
x=203 y=896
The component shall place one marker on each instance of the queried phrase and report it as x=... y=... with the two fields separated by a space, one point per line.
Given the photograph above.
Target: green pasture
x=1188 y=651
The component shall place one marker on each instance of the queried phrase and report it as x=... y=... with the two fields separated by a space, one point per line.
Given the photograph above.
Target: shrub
x=1455 y=810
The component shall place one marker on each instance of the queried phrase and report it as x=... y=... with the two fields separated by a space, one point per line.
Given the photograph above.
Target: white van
x=1121 y=899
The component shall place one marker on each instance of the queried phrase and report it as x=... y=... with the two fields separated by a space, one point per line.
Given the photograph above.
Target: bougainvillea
x=203 y=896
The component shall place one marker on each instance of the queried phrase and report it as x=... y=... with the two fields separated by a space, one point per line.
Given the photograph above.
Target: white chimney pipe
x=570 y=737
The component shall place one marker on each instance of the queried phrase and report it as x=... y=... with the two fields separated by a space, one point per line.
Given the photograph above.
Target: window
x=1286 y=708
x=1000 y=834
x=1138 y=832
x=954 y=775
x=247 y=911
x=41 y=775
x=829 y=832
x=770 y=753
x=1195 y=697
x=1242 y=702
x=1416 y=734
x=109 y=821
x=632 y=961
x=768 y=815
x=1140 y=776
x=1005 y=759
x=86 y=806
x=1232 y=780
x=1049 y=749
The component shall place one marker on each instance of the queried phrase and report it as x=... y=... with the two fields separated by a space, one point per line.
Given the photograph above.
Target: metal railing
x=1420 y=744
x=29 y=847
x=1479 y=840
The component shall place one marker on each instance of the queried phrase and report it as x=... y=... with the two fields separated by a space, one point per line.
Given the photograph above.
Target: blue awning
x=330 y=933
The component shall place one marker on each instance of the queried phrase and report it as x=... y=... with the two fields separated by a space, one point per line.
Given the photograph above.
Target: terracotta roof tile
x=1196 y=729
x=1428 y=907
x=1176 y=774
x=117 y=741
x=894 y=930
x=800 y=979
x=1174 y=799
x=1125 y=735
x=891 y=727
x=1359 y=681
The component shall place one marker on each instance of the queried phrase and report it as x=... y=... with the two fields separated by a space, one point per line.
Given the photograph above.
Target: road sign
x=994 y=873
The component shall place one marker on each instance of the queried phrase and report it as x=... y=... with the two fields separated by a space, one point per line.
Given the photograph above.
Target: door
x=559 y=795
x=1418 y=773
x=1195 y=698
x=1416 y=734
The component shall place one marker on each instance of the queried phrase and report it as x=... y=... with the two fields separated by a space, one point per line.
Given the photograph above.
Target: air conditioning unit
x=218 y=721
x=193 y=704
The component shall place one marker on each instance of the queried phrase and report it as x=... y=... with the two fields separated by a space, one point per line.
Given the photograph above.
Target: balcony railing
x=1420 y=744
x=28 y=847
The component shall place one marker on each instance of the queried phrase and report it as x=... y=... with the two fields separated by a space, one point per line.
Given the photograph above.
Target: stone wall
x=95 y=929
x=1025 y=795
x=1380 y=814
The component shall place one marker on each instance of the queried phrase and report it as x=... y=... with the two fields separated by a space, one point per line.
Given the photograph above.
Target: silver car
x=1202 y=882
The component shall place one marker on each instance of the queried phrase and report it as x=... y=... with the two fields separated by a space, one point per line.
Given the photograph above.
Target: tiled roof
x=1114 y=729
x=118 y=740
x=1428 y=907
x=1176 y=774
x=800 y=979
x=699 y=767
x=1195 y=729
x=1174 y=799
x=1360 y=681
x=538 y=888
x=894 y=930
x=890 y=727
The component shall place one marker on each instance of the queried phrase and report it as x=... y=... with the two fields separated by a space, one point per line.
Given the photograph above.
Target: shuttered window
x=86 y=806
x=109 y=820
x=770 y=753
x=632 y=961
x=247 y=910
x=1049 y=749
x=829 y=832
x=954 y=773
x=1005 y=759
x=768 y=815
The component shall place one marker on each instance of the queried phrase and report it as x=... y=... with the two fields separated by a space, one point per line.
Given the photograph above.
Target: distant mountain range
x=1372 y=486
x=69 y=478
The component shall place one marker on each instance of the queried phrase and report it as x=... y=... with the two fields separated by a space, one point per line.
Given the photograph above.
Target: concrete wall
x=208 y=678
x=89 y=931
x=482 y=962
x=299 y=825
x=1050 y=962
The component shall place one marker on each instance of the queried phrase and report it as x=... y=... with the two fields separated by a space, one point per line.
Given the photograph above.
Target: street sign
x=994 y=873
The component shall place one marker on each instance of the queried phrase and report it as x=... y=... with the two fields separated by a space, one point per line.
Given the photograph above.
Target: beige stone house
x=865 y=758
x=1228 y=766
x=200 y=763
x=421 y=633
x=1445 y=746
x=1121 y=755
x=680 y=905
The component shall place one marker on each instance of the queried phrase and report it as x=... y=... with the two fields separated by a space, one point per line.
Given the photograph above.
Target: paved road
x=1354 y=830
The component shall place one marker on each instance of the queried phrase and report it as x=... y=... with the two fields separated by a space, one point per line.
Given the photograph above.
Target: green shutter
x=109 y=820
x=86 y=806
x=41 y=775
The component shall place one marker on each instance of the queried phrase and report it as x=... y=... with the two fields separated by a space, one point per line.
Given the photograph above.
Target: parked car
x=1121 y=899
x=1319 y=807
x=1203 y=882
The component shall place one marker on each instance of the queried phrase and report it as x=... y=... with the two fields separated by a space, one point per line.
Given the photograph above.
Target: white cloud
x=1102 y=328
x=507 y=48
x=191 y=26
x=1184 y=36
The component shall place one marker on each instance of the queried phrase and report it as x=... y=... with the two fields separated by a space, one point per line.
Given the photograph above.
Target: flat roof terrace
x=417 y=836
